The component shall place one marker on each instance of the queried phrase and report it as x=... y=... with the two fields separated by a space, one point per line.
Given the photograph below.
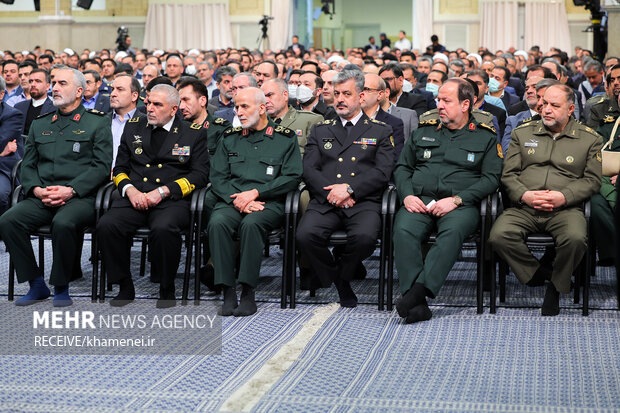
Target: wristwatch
x=458 y=201
x=161 y=193
x=73 y=193
x=349 y=190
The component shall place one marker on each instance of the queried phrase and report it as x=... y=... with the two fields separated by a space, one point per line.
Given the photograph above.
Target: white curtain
x=186 y=26
x=546 y=25
x=422 y=24
x=498 y=24
x=280 y=27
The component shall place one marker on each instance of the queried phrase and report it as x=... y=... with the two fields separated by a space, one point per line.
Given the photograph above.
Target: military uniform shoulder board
x=195 y=126
x=590 y=130
x=487 y=127
x=430 y=122
x=524 y=124
x=141 y=98
x=285 y=131
x=220 y=121
x=232 y=131
x=134 y=120
x=327 y=122
x=609 y=119
x=44 y=114
x=378 y=121
x=95 y=112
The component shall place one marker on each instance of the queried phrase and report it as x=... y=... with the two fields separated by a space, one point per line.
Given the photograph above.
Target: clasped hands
x=246 y=202
x=339 y=196
x=544 y=200
x=54 y=195
x=440 y=208
x=143 y=201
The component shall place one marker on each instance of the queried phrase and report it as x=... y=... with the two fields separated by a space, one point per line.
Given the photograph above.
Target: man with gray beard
x=68 y=155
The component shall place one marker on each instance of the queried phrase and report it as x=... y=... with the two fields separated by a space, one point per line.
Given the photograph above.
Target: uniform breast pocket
x=236 y=165
x=270 y=166
x=78 y=146
x=425 y=150
x=468 y=155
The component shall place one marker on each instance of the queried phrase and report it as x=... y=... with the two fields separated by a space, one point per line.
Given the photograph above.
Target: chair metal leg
x=480 y=278
x=143 y=257
x=390 y=276
x=94 y=256
x=382 y=252
x=11 y=280
x=293 y=267
x=493 y=274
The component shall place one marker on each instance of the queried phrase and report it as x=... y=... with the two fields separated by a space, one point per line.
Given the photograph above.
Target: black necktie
x=348 y=126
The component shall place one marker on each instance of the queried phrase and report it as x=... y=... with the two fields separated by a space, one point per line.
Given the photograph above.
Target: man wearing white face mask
x=434 y=80
x=309 y=96
x=498 y=80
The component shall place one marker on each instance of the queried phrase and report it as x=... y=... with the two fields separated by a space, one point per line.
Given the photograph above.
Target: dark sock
x=360 y=271
x=230 y=301
x=542 y=274
x=551 y=304
x=348 y=299
x=418 y=313
x=38 y=291
x=414 y=296
x=167 y=298
x=61 y=296
x=247 y=303
x=126 y=293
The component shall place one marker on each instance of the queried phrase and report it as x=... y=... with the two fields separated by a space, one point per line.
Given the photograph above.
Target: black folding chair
x=337 y=238
x=143 y=234
x=477 y=240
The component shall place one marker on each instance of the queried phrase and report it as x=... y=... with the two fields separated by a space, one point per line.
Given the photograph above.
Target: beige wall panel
x=244 y=7
x=458 y=6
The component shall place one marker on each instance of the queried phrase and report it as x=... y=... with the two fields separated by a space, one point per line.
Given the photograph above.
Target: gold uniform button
x=352 y=173
x=340 y=159
x=353 y=158
x=148 y=165
x=145 y=179
x=157 y=180
x=159 y=166
x=338 y=176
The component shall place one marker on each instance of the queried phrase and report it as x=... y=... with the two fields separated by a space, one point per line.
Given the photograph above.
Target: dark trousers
x=166 y=222
x=67 y=227
x=313 y=235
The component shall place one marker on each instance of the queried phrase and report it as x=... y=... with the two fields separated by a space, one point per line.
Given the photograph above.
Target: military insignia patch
x=327 y=145
x=392 y=140
x=609 y=119
x=269 y=170
x=570 y=159
x=598 y=156
x=219 y=121
x=366 y=141
x=195 y=126
x=46 y=133
x=76 y=147
x=500 y=151
x=77 y=117
x=133 y=120
x=138 y=150
x=176 y=130
x=79 y=132
x=471 y=157
x=269 y=131
x=472 y=126
x=427 y=154
x=54 y=118
x=299 y=132
x=531 y=151
x=246 y=132
x=206 y=124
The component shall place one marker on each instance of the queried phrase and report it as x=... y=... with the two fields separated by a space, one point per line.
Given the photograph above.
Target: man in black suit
x=481 y=78
x=374 y=91
x=161 y=160
x=392 y=74
x=39 y=103
x=11 y=126
x=310 y=100
x=93 y=99
x=534 y=70
x=347 y=165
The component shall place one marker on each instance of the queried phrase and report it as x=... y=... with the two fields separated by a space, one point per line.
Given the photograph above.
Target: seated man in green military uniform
x=445 y=170
x=552 y=166
x=68 y=155
x=253 y=169
x=604 y=202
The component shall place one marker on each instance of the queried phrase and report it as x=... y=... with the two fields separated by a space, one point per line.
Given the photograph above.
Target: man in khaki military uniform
x=68 y=156
x=253 y=169
x=551 y=167
x=605 y=105
x=278 y=109
x=445 y=170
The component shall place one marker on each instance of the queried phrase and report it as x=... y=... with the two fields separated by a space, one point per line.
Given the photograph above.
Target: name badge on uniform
x=427 y=154
x=471 y=157
x=426 y=138
x=531 y=144
x=76 y=147
x=46 y=133
x=270 y=170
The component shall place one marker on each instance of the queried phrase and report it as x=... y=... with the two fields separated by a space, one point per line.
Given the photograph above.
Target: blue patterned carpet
x=360 y=360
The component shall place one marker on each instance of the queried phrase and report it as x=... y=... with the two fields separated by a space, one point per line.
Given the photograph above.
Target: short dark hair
x=444 y=76
x=94 y=74
x=47 y=56
x=434 y=38
x=28 y=63
x=45 y=72
x=123 y=68
x=199 y=88
x=224 y=71
x=608 y=78
x=505 y=70
x=548 y=74
x=478 y=72
x=394 y=67
x=134 y=84
x=407 y=53
x=10 y=62
x=473 y=85
x=272 y=63
x=159 y=80
x=109 y=60
x=465 y=91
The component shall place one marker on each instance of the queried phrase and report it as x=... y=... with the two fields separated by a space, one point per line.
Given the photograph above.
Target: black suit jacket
x=509 y=100
x=181 y=164
x=103 y=103
x=328 y=112
x=517 y=85
x=499 y=113
x=518 y=107
x=364 y=159
x=412 y=101
x=11 y=127
x=47 y=107
x=430 y=99
x=398 y=130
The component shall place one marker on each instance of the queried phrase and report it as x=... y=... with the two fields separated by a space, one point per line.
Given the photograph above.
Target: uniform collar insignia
x=472 y=126
x=176 y=130
x=269 y=131
x=246 y=132
x=55 y=118
x=77 y=117
x=206 y=124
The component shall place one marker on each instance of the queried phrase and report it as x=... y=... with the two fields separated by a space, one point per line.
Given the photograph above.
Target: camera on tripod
x=121 y=39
